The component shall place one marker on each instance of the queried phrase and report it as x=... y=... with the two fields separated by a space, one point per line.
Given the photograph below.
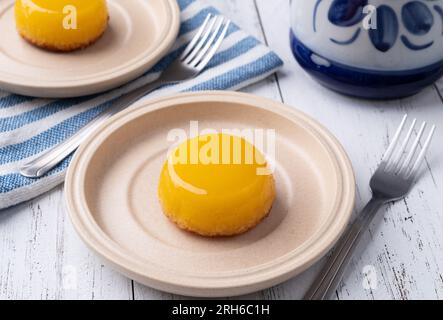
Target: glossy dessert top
x=216 y=184
x=58 y=6
x=61 y=25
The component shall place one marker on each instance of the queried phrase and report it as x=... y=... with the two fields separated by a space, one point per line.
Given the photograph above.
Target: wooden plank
x=41 y=256
x=404 y=247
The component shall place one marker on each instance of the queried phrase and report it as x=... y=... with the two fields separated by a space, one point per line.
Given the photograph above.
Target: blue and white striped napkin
x=29 y=126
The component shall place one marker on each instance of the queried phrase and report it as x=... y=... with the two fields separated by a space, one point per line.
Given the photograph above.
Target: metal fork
x=392 y=181
x=194 y=59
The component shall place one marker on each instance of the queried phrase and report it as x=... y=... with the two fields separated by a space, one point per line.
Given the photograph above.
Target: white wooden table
x=41 y=257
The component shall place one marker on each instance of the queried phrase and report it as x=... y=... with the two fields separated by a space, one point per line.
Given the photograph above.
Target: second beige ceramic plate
x=111 y=191
x=140 y=33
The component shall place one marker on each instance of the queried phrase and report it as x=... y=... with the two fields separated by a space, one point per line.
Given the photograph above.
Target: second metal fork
x=392 y=181
x=193 y=60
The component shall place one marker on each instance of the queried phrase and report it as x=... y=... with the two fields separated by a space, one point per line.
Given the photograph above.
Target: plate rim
x=104 y=82
x=228 y=284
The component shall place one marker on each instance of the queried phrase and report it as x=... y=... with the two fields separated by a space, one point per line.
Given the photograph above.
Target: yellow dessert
x=61 y=25
x=216 y=185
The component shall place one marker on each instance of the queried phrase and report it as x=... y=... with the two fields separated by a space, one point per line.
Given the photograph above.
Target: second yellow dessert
x=216 y=185
x=61 y=25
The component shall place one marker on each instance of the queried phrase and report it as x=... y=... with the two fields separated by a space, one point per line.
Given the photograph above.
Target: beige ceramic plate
x=111 y=190
x=139 y=34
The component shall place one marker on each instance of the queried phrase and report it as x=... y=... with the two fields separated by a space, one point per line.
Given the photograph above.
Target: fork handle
x=51 y=158
x=330 y=276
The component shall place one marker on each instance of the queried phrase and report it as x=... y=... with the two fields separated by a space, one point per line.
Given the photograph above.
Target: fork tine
x=415 y=169
x=414 y=148
x=215 y=47
x=394 y=141
x=196 y=37
x=397 y=160
x=208 y=44
x=202 y=41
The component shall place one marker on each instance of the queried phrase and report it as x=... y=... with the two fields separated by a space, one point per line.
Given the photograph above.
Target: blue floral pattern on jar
x=395 y=28
x=416 y=16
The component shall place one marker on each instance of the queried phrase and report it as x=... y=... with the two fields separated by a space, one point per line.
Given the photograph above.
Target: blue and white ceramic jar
x=369 y=48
